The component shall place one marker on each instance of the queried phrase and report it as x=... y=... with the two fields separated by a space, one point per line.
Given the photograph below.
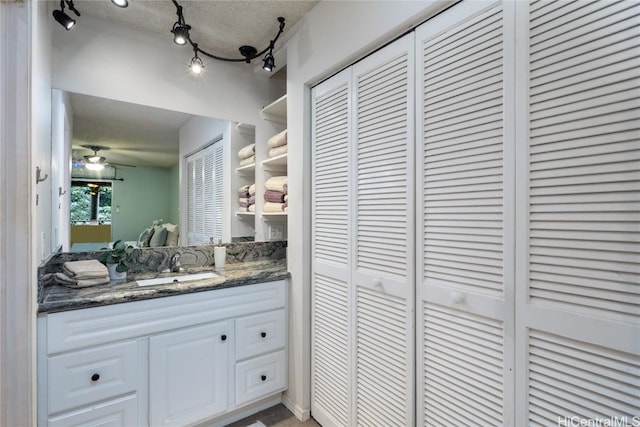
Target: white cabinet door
x=465 y=213
x=579 y=241
x=188 y=374
x=121 y=412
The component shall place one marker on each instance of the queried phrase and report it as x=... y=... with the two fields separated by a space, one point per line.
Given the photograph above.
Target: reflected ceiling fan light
x=121 y=3
x=95 y=159
x=94 y=166
x=63 y=19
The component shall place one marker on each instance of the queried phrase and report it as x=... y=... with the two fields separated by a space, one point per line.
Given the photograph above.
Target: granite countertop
x=59 y=298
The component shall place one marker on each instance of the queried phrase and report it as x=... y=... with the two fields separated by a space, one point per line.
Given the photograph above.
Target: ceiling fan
x=97 y=162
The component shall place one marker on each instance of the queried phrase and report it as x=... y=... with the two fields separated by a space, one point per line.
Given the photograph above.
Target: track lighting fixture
x=196 y=65
x=181 y=37
x=63 y=19
x=121 y=3
x=180 y=32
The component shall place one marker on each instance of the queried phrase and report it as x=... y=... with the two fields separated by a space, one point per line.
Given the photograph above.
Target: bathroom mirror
x=133 y=150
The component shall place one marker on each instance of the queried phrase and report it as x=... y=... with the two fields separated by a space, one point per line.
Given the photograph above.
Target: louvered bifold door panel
x=331 y=314
x=218 y=188
x=581 y=244
x=383 y=272
x=209 y=194
x=465 y=259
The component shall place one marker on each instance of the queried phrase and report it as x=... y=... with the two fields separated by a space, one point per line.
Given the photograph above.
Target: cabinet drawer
x=121 y=412
x=260 y=334
x=259 y=377
x=86 y=376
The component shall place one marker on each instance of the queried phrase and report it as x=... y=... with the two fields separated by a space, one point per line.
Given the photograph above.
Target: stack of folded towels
x=81 y=274
x=246 y=199
x=247 y=155
x=278 y=144
x=276 y=195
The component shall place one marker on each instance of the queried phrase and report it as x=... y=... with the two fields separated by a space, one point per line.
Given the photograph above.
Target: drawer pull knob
x=223 y=337
x=263 y=334
x=95 y=377
x=263 y=377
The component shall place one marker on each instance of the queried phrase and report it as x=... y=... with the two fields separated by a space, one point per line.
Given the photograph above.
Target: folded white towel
x=278 y=139
x=278 y=150
x=252 y=208
x=64 y=280
x=243 y=199
x=286 y=197
x=252 y=190
x=277 y=183
x=273 y=207
x=247 y=151
x=87 y=269
x=248 y=161
x=242 y=209
x=244 y=189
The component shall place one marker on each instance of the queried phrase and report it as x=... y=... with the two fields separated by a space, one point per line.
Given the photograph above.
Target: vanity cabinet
x=213 y=356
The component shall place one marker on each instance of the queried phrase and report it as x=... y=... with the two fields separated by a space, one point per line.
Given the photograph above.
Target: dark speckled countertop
x=59 y=298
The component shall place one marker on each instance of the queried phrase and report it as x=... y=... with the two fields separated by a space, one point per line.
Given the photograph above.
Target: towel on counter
x=62 y=279
x=87 y=269
x=277 y=183
x=248 y=161
x=247 y=151
x=273 y=207
x=274 y=196
x=273 y=152
x=278 y=139
x=252 y=190
x=251 y=208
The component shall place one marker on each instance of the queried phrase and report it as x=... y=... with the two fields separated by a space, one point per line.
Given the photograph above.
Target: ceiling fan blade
x=119 y=164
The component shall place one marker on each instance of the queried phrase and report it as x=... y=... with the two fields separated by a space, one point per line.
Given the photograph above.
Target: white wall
x=332 y=36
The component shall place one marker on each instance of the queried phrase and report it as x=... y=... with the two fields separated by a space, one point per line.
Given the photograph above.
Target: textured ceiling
x=218 y=26
x=146 y=136
x=135 y=134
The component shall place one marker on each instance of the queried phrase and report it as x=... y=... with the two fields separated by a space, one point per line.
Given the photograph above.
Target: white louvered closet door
x=331 y=339
x=465 y=216
x=579 y=230
x=383 y=251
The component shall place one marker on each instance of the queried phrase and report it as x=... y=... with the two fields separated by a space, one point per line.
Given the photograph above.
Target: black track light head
x=269 y=63
x=63 y=19
x=180 y=33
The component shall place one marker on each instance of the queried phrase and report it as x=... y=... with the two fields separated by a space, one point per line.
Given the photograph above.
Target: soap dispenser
x=219 y=254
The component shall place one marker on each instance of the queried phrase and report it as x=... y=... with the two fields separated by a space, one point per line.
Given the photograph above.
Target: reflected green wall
x=174 y=195
x=144 y=195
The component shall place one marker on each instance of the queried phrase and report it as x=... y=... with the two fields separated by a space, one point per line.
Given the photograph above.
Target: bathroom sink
x=176 y=279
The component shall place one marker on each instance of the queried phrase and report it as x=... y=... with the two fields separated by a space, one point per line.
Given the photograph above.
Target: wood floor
x=276 y=416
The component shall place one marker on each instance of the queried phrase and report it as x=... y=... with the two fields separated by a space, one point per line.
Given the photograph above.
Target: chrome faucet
x=174 y=264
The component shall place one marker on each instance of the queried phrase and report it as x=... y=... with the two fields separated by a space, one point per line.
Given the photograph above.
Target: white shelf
x=274 y=215
x=246 y=214
x=279 y=161
x=276 y=111
x=246 y=168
